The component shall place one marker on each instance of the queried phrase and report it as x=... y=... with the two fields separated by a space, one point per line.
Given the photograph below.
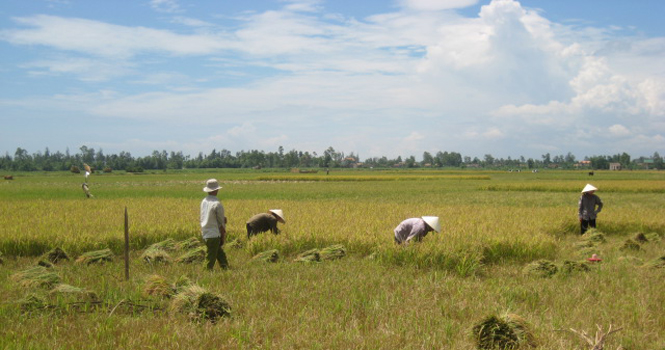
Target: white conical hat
x=589 y=187
x=433 y=222
x=279 y=213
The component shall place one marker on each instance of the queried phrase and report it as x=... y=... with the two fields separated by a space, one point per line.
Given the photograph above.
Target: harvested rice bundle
x=189 y=243
x=156 y=285
x=95 y=257
x=192 y=255
x=200 y=304
x=540 y=268
x=36 y=276
x=237 y=243
x=55 y=255
x=658 y=263
x=311 y=255
x=594 y=236
x=80 y=294
x=630 y=245
x=44 y=263
x=632 y=260
x=181 y=283
x=333 y=252
x=640 y=238
x=506 y=332
x=575 y=266
x=155 y=254
x=168 y=244
x=33 y=302
x=269 y=256
x=653 y=237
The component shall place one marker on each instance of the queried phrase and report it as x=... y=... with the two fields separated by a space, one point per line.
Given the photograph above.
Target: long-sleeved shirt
x=212 y=217
x=413 y=228
x=263 y=222
x=589 y=206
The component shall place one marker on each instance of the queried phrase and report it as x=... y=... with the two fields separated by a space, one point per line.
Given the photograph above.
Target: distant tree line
x=58 y=161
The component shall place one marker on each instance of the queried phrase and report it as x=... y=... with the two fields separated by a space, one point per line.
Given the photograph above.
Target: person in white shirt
x=213 y=226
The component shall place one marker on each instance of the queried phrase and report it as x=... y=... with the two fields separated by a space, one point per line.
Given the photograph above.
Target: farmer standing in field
x=589 y=207
x=416 y=228
x=264 y=222
x=213 y=226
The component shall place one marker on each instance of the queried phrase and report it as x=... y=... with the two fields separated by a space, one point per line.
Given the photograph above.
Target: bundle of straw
x=192 y=255
x=36 y=276
x=574 y=266
x=269 y=256
x=200 y=304
x=189 y=243
x=509 y=331
x=594 y=236
x=641 y=238
x=33 y=302
x=79 y=294
x=658 y=263
x=156 y=285
x=630 y=245
x=95 y=257
x=336 y=251
x=312 y=255
x=155 y=254
x=168 y=244
x=540 y=268
x=55 y=255
x=237 y=243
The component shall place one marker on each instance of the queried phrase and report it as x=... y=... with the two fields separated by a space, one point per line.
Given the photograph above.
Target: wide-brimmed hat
x=589 y=188
x=211 y=185
x=433 y=222
x=279 y=213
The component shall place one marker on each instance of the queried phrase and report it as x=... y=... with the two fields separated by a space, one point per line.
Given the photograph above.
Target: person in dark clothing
x=589 y=206
x=264 y=222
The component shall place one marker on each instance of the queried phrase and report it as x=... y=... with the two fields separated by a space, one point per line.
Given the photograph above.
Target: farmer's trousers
x=585 y=224
x=215 y=252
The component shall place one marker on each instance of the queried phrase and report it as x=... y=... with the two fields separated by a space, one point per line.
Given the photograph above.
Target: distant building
x=583 y=164
x=615 y=166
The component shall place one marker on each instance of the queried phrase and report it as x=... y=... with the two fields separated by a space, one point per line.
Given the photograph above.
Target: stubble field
x=379 y=296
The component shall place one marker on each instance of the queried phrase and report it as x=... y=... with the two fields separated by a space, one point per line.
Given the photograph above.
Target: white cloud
x=619 y=130
x=168 y=6
x=436 y=5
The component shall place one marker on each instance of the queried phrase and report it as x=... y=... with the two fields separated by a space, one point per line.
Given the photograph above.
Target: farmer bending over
x=213 y=226
x=416 y=228
x=264 y=222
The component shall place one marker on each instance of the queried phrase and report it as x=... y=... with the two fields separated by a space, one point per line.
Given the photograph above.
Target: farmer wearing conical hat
x=213 y=225
x=264 y=222
x=589 y=207
x=416 y=228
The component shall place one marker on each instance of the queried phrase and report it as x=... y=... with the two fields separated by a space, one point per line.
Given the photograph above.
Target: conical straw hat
x=589 y=187
x=279 y=213
x=433 y=222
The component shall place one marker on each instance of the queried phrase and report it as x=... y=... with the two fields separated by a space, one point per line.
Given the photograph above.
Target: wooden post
x=126 y=246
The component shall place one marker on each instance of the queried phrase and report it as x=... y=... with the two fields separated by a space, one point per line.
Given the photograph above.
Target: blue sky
x=376 y=78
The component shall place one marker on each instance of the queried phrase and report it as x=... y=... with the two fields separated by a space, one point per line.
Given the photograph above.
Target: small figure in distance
x=265 y=221
x=414 y=229
x=589 y=207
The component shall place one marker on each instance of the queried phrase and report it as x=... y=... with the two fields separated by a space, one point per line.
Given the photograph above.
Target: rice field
x=378 y=296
